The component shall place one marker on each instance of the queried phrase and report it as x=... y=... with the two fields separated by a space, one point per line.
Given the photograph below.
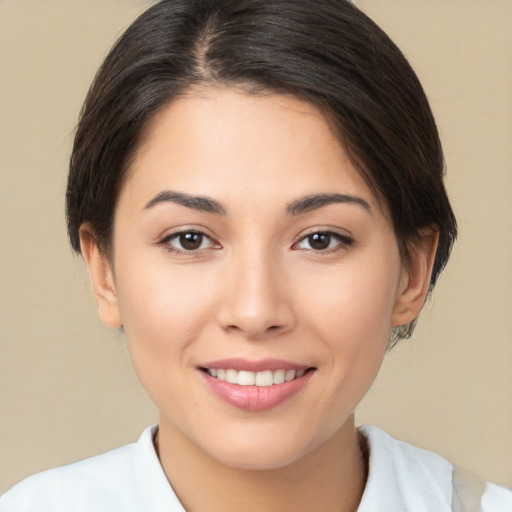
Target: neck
x=330 y=478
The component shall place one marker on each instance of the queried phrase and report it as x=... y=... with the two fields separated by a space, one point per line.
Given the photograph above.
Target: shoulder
x=80 y=485
x=496 y=499
x=127 y=479
x=404 y=477
x=77 y=483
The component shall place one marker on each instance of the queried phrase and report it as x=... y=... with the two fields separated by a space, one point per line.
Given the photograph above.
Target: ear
x=101 y=276
x=415 y=279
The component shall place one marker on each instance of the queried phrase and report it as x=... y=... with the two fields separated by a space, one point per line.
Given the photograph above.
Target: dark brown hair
x=325 y=52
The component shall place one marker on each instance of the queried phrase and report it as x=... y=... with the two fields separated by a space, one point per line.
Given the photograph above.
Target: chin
x=261 y=449
x=258 y=458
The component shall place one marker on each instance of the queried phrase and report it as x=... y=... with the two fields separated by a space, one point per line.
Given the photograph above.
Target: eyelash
x=342 y=242
x=166 y=242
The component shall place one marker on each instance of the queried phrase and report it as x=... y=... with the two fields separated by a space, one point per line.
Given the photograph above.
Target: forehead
x=226 y=143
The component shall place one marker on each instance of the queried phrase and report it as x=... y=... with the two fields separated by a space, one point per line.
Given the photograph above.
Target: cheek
x=164 y=309
x=353 y=304
x=351 y=312
x=356 y=325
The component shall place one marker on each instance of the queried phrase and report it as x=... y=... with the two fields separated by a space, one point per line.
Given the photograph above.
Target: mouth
x=255 y=386
x=265 y=378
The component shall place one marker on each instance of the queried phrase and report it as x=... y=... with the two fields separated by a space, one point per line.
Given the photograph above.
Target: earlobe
x=101 y=276
x=415 y=280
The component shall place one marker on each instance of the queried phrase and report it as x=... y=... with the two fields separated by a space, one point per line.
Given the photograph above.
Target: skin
x=256 y=288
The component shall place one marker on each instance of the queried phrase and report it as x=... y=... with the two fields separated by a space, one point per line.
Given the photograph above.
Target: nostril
x=253 y=319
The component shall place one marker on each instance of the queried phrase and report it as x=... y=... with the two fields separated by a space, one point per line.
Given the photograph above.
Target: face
x=255 y=275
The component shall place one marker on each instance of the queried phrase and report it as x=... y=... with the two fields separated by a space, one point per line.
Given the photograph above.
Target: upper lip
x=249 y=365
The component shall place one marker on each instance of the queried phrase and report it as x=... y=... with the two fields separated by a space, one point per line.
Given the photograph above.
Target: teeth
x=246 y=378
x=262 y=379
x=232 y=376
x=279 y=376
x=289 y=375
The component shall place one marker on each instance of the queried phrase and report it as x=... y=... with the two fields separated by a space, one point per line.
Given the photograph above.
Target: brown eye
x=188 y=241
x=319 y=241
x=323 y=241
x=191 y=241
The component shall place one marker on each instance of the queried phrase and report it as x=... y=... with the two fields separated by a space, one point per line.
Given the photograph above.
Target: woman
x=256 y=189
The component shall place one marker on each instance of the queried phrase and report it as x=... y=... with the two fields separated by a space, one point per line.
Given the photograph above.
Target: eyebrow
x=200 y=203
x=302 y=205
x=315 y=201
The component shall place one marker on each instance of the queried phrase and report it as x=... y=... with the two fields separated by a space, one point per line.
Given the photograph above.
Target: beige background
x=67 y=389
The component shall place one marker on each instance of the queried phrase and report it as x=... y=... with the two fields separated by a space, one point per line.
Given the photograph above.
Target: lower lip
x=255 y=398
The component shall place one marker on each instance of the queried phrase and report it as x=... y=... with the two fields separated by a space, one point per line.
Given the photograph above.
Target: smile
x=262 y=379
x=255 y=386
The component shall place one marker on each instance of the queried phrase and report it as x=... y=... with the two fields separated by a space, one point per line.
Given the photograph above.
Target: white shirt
x=131 y=479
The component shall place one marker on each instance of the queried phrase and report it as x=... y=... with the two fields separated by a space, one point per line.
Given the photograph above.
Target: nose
x=256 y=302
